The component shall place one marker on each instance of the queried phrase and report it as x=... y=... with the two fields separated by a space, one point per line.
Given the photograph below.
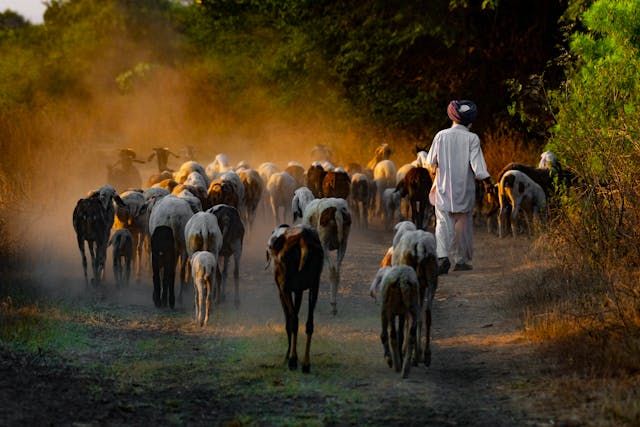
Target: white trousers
x=454 y=236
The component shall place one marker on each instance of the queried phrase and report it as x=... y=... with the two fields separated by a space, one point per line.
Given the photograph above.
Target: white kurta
x=458 y=160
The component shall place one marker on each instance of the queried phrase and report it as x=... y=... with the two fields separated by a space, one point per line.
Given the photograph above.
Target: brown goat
x=297 y=172
x=336 y=184
x=416 y=185
x=315 y=177
x=253 y=189
x=298 y=258
x=222 y=192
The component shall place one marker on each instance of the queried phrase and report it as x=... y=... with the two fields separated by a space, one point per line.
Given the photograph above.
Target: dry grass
x=502 y=146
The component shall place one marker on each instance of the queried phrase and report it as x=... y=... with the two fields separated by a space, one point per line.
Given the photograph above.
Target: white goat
x=173 y=212
x=204 y=265
x=391 y=200
x=281 y=187
x=384 y=175
x=332 y=220
x=185 y=170
x=301 y=198
x=196 y=180
x=219 y=166
x=417 y=249
x=401 y=228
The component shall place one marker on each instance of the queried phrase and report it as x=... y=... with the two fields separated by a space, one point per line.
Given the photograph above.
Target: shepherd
x=456 y=159
x=162 y=156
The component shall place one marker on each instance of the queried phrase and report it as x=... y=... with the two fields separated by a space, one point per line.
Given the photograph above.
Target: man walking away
x=456 y=158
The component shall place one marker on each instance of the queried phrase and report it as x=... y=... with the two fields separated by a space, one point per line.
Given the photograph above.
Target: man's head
x=463 y=112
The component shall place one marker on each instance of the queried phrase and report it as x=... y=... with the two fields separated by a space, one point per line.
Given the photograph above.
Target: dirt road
x=116 y=359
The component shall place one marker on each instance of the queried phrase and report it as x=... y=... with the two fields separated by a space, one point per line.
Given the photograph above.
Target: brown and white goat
x=398 y=288
x=516 y=191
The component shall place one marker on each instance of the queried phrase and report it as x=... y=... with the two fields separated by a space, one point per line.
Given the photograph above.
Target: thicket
x=591 y=298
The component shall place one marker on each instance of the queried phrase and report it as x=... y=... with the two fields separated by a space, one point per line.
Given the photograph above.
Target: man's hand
x=487 y=183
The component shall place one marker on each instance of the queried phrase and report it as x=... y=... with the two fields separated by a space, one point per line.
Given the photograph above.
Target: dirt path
x=118 y=360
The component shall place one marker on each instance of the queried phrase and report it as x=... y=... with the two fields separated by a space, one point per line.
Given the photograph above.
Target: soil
x=112 y=358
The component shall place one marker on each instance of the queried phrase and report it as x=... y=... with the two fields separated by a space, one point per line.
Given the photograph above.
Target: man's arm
x=476 y=159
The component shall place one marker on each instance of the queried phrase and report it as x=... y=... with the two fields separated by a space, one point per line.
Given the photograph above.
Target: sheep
x=298 y=258
x=416 y=186
x=196 y=180
x=186 y=169
x=232 y=236
x=384 y=175
x=399 y=289
x=331 y=218
x=174 y=213
x=202 y=233
x=154 y=193
x=391 y=200
x=242 y=164
x=548 y=160
x=167 y=184
x=134 y=217
x=163 y=257
x=296 y=170
x=204 y=264
x=281 y=187
x=514 y=189
x=159 y=177
x=336 y=184
x=417 y=249
x=188 y=192
x=386 y=259
x=194 y=203
x=314 y=179
x=301 y=198
x=402 y=172
x=382 y=152
x=401 y=228
x=219 y=166
x=227 y=189
x=121 y=242
x=360 y=198
x=266 y=170
x=253 y=189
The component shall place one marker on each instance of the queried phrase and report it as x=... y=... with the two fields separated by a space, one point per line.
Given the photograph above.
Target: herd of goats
x=194 y=219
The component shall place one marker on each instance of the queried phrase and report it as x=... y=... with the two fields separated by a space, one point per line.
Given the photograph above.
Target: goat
x=159 y=177
x=134 y=217
x=360 y=199
x=301 y=198
x=416 y=186
x=336 y=184
x=188 y=192
x=391 y=200
x=386 y=259
x=163 y=257
x=281 y=187
x=399 y=289
x=173 y=212
x=91 y=225
x=382 y=152
x=314 y=179
x=219 y=166
x=297 y=256
x=121 y=242
x=514 y=189
x=417 y=249
x=186 y=169
x=227 y=189
x=232 y=230
x=94 y=227
x=384 y=175
x=204 y=265
x=166 y=184
x=332 y=220
x=401 y=228
x=265 y=170
x=253 y=189
x=296 y=170
x=194 y=179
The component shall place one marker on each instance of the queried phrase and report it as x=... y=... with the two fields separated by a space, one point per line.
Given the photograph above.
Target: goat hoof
x=389 y=361
x=306 y=369
x=427 y=359
x=293 y=363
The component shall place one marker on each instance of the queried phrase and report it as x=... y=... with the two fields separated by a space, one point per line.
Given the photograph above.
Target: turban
x=463 y=112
